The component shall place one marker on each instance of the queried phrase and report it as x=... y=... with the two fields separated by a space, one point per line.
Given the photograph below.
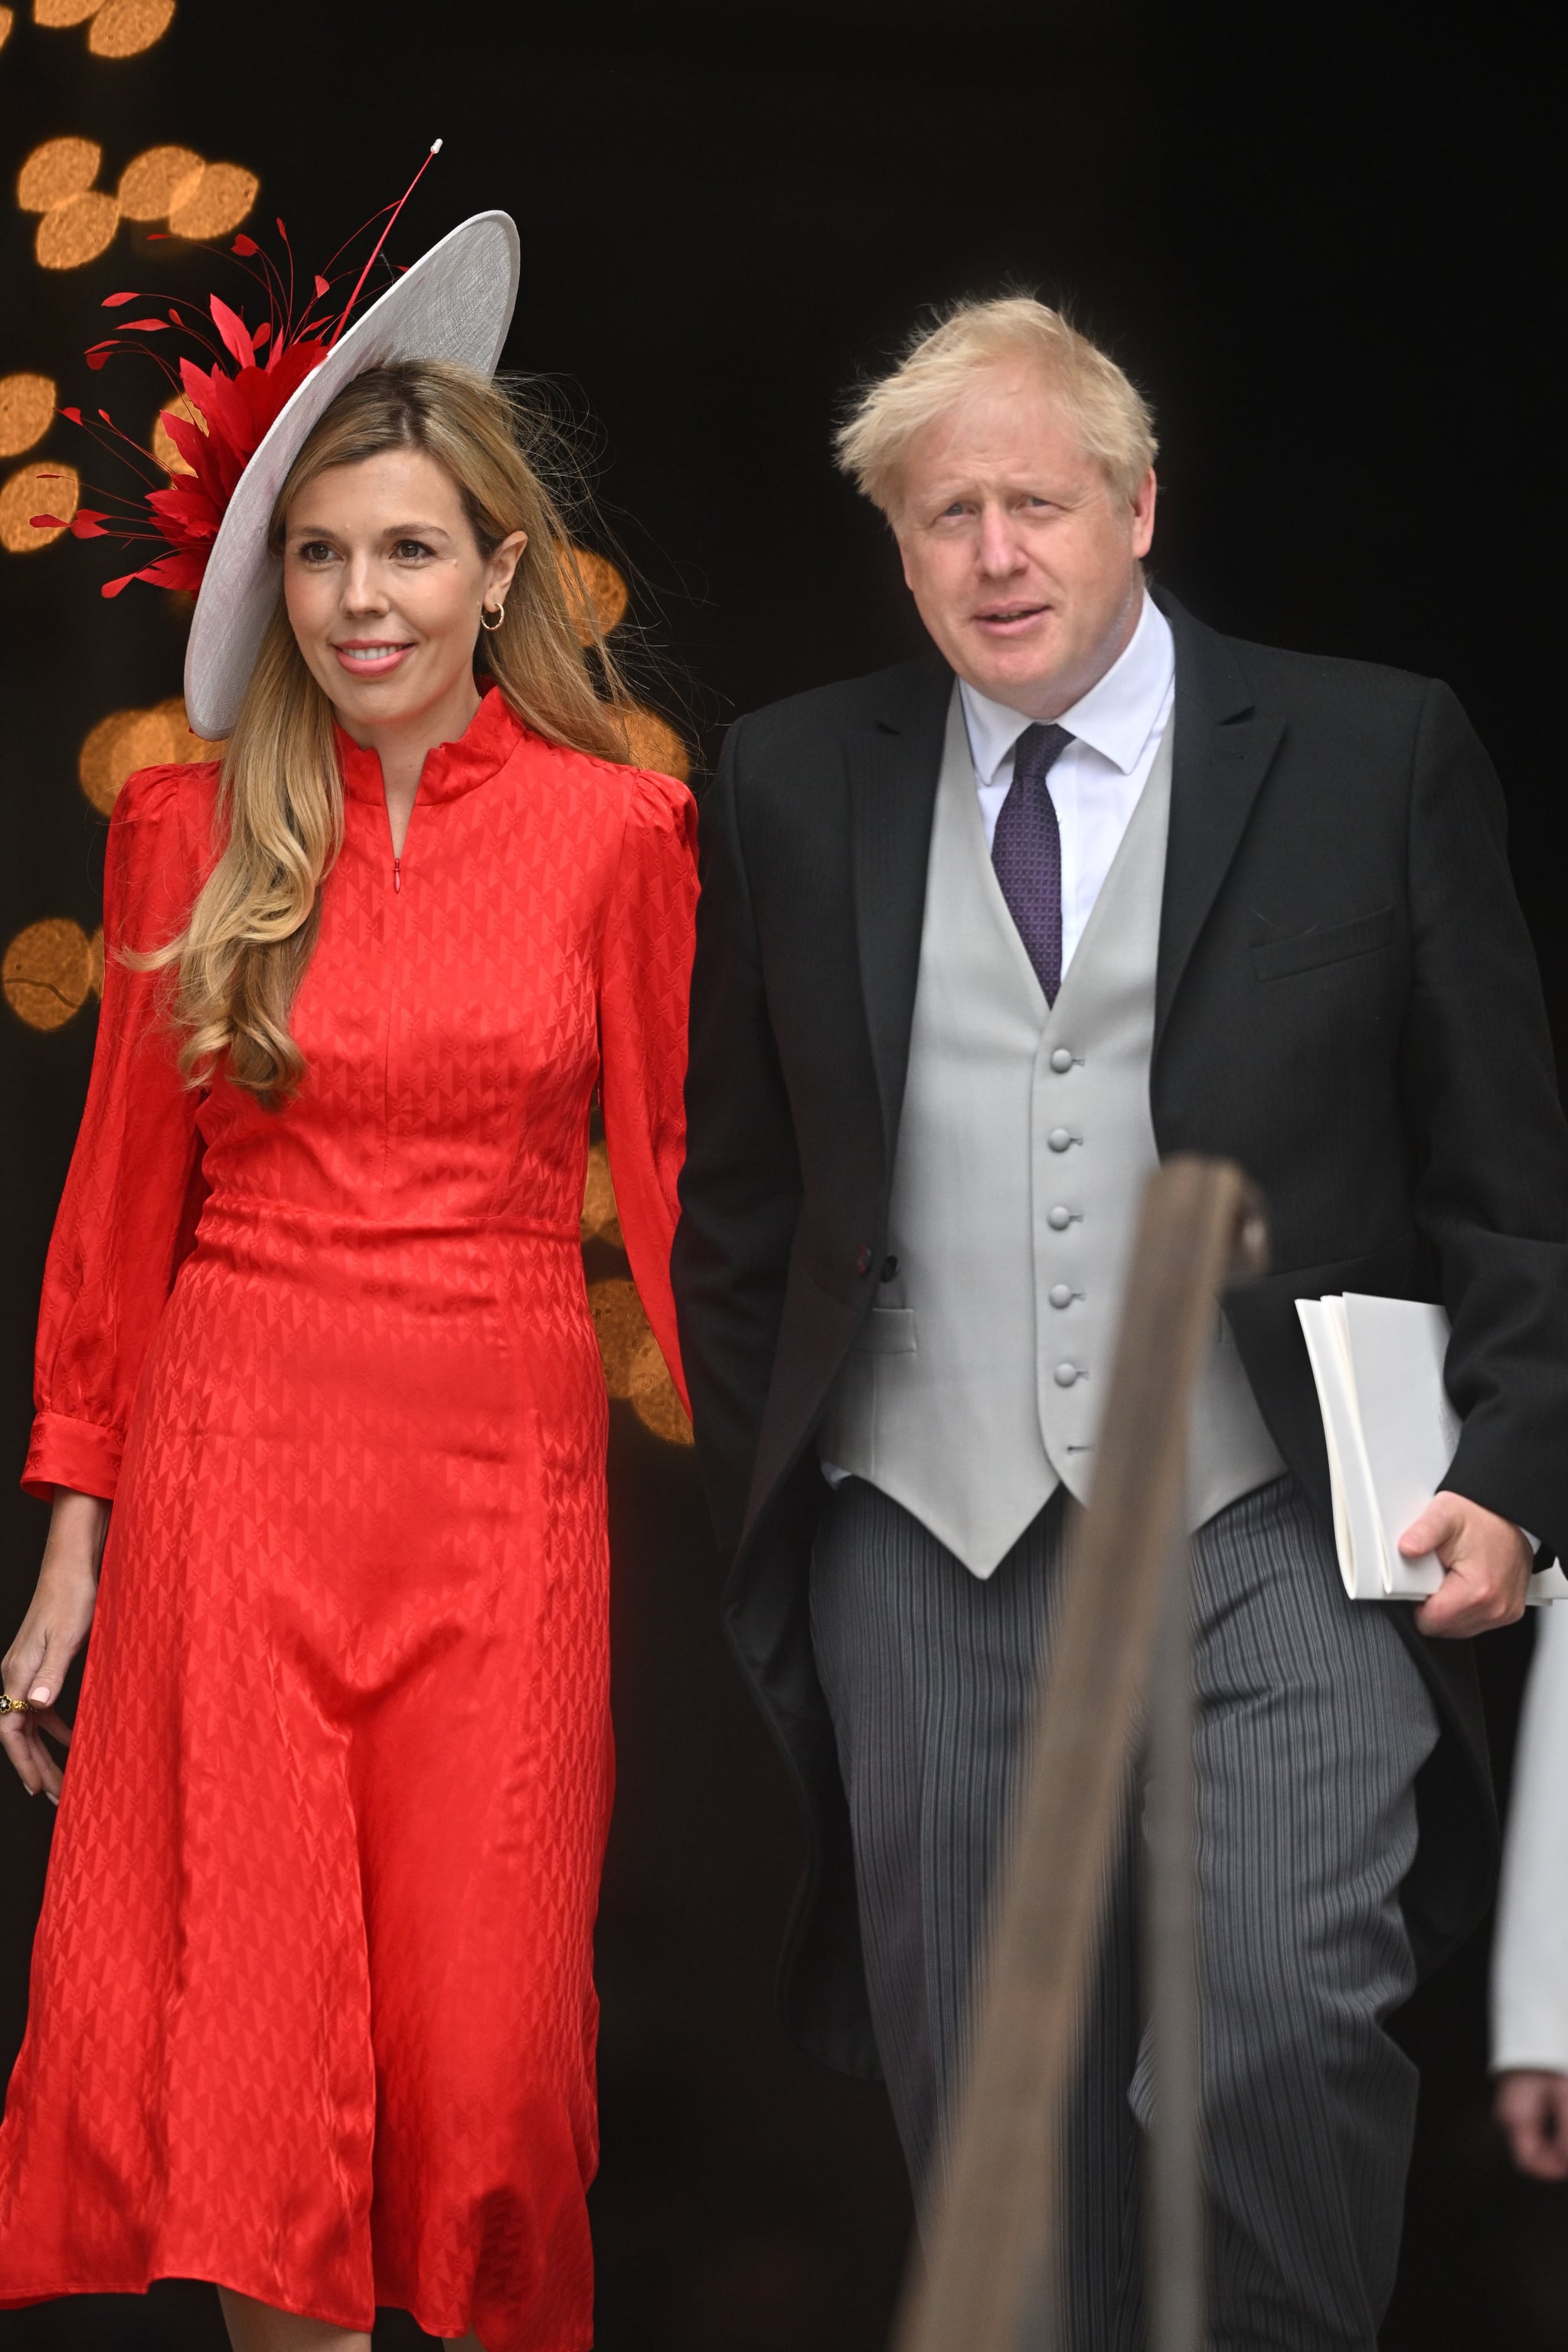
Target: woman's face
x=385 y=583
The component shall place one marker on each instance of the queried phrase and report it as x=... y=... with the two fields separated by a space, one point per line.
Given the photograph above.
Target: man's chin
x=1010 y=669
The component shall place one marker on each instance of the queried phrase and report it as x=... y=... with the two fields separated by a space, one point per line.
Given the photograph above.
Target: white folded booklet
x=1391 y=1433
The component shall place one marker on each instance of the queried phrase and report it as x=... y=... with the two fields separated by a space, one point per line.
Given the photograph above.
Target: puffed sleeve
x=645 y=984
x=134 y=1179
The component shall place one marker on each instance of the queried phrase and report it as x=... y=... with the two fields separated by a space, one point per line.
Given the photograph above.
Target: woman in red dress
x=312 y=2015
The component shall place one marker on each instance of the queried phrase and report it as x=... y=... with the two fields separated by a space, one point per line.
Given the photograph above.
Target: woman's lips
x=371 y=660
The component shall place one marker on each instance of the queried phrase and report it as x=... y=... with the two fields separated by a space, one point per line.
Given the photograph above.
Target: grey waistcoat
x=979 y=1377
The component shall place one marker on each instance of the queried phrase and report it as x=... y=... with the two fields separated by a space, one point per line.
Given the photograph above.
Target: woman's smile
x=361 y=655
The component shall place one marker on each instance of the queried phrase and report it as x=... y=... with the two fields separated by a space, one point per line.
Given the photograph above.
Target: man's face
x=1022 y=560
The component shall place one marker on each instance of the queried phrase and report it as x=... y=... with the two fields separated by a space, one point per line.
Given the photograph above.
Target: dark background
x=1316 y=240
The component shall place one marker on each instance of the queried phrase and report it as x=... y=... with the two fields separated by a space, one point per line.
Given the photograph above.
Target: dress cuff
x=81 y=1454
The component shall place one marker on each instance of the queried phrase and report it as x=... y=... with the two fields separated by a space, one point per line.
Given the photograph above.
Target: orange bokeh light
x=27 y=411
x=149 y=182
x=129 y=739
x=654 y=744
x=49 y=971
x=38 y=489
x=213 y=201
x=601 y=583
x=73 y=234
x=123 y=28
x=54 y=173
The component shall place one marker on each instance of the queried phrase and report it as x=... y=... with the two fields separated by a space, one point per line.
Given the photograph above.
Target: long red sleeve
x=645 y=984
x=124 y=1209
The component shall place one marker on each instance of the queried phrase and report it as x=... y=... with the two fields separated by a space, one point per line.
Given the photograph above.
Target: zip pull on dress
x=313 y=2012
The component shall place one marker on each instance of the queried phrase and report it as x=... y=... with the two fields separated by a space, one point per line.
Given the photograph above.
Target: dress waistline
x=226 y=1216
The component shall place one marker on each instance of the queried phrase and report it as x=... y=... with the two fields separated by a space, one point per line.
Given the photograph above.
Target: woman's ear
x=502 y=566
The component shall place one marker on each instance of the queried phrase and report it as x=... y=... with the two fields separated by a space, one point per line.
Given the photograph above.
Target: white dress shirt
x=1530 y=1959
x=1095 y=783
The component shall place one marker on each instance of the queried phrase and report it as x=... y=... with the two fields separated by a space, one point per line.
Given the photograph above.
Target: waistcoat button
x=1060 y=1059
x=1061 y=1294
x=1065 y=1375
x=1060 y=1138
x=863 y=1259
x=1058 y=1219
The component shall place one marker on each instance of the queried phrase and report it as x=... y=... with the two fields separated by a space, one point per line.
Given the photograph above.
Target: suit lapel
x=1223 y=748
x=892 y=769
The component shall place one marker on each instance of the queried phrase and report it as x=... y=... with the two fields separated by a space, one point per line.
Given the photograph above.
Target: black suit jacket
x=1347 y=1004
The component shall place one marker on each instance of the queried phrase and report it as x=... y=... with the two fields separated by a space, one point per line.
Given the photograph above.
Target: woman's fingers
x=60 y=1645
x=33 y=1669
x=19 y=1672
x=20 y=1749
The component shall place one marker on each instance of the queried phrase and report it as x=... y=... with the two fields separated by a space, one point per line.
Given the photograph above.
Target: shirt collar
x=1115 y=718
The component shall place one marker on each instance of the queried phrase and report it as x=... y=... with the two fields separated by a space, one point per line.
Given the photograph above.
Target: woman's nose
x=363 y=589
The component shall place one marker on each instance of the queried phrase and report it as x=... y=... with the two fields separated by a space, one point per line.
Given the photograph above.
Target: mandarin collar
x=450 y=770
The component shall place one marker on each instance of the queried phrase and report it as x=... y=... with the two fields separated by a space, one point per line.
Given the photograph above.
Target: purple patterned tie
x=1026 y=851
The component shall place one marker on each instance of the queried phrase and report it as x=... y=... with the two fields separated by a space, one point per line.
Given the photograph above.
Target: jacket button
x=1058 y=1219
x=1062 y=1060
x=1062 y=1294
x=1060 y=1138
x=863 y=1259
x=890 y=1268
x=1065 y=1375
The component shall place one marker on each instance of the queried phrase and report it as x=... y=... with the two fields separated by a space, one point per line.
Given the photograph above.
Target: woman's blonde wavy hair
x=241 y=959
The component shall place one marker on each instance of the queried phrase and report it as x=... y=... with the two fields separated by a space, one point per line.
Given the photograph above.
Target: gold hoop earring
x=493 y=625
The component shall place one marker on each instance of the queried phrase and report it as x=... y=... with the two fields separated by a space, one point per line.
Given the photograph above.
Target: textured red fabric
x=313 y=2012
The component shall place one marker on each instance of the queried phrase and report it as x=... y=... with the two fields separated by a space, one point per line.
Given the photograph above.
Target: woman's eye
x=410 y=550
x=315 y=550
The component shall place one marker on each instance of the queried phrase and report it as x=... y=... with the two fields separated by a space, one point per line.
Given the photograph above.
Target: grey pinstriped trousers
x=1313 y=1722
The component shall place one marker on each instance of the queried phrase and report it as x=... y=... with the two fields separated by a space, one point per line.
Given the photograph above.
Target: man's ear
x=1143 y=499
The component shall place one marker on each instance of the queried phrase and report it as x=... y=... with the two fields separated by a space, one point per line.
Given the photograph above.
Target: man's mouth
x=1010 y=617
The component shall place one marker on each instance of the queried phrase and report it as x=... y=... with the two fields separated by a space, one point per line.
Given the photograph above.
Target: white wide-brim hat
x=455 y=304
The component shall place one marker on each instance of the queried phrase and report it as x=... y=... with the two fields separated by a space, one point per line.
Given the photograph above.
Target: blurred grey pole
x=995 y=2230
x=1173 y=2243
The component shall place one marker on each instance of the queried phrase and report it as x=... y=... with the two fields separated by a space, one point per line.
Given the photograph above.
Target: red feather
x=113 y=302
x=245 y=245
x=232 y=328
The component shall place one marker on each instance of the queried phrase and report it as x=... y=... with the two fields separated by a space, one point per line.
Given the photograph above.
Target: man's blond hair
x=1109 y=410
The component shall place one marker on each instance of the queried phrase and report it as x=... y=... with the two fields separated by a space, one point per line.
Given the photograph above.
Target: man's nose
x=998 y=550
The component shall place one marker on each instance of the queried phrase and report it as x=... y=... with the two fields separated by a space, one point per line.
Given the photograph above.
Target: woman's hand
x=1531 y=2106
x=53 y=1631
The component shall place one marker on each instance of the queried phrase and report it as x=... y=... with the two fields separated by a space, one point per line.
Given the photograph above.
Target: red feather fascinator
x=230 y=404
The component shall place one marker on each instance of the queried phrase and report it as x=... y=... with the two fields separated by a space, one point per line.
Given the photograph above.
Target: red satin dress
x=313 y=2010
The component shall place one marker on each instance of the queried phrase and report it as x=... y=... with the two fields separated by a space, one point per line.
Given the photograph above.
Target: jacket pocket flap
x=887 y=1332
x=1363 y=935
